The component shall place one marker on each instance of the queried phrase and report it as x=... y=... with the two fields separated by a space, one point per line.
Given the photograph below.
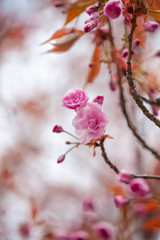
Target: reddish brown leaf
x=95 y=68
x=65 y=42
x=152 y=223
x=61 y=32
x=77 y=8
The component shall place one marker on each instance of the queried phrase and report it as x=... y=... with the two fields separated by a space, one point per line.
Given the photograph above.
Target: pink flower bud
x=79 y=235
x=25 y=230
x=103 y=230
x=58 y=4
x=125 y=53
x=91 y=9
x=99 y=99
x=75 y=98
x=126 y=21
x=137 y=42
x=120 y=201
x=112 y=9
x=124 y=176
x=61 y=159
x=57 y=129
x=88 y=205
x=139 y=187
x=112 y=86
x=89 y=27
x=151 y=26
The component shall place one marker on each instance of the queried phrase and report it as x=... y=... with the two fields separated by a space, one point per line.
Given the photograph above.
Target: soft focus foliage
x=107 y=73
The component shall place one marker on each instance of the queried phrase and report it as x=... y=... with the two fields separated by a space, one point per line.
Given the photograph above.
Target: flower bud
x=125 y=53
x=151 y=26
x=88 y=205
x=61 y=159
x=103 y=230
x=89 y=26
x=90 y=9
x=137 y=42
x=124 y=176
x=112 y=86
x=112 y=9
x=57 y=129
x=139 y=187
x=126 y=21
x=99 y=99
x=120 y=201
x=58 y=4
x=79 y=235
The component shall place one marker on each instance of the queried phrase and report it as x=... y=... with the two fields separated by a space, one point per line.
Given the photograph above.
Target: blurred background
x=39 y=197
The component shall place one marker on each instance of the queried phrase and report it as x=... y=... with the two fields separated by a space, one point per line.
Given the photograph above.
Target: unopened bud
x=57 y=129
x=61 y=159
x=120 y=201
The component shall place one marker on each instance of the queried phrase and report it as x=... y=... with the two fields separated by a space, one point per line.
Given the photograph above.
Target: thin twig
x=123 y=104
x=116 y=170
x=130 y=78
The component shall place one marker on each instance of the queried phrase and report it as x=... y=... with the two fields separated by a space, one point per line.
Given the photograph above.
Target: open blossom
x=113 y=9
x=75 y=98
x=90 y=122
x=103 y=230
x=151 y=26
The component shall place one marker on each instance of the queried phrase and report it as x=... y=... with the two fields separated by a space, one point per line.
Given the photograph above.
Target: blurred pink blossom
x=124 y=176
x=139 y=187
x=103 y=230
x=120 y=201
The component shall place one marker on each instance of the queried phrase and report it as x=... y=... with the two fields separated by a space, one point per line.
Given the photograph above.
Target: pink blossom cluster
x=90 y=120
x=101 y=229
x=137 y=188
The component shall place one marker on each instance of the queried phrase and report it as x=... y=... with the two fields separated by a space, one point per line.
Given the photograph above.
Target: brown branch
x=104 y=155
x=130 y=78
x=116 y=170
x=123 y=104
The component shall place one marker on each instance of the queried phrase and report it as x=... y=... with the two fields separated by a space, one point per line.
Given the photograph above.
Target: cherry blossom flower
x=90 y=122
x=75 y=98
x=112 y=9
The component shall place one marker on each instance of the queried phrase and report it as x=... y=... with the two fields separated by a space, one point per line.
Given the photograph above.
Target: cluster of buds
x=94 y=19
x=138 y=188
